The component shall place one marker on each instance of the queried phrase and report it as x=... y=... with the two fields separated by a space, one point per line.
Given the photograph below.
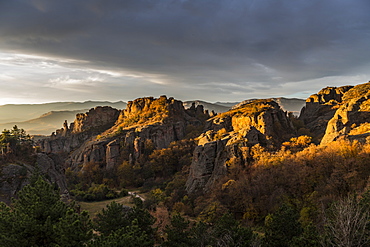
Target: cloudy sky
x=215 y=50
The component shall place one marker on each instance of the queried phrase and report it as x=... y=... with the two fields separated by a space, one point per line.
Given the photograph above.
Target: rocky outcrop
x=264 y=115
x=293 y=105
x=15 y=176
x=338 y=112
x=84 y=127
x=112 y=155
x=229 y=136
x=320 y=108
x=351 y=119
x=98 y=119
x=146 y=123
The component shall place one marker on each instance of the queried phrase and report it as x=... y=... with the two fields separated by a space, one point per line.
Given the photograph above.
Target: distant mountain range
x=216 y=107
x=43 y=119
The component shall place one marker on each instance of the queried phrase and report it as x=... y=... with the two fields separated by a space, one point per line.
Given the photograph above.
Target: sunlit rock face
x=98 y=117
x=107 y=136
x=229 y=137
x=84 y=127
x=320 y=108
x=338 y=113
x=351 y=119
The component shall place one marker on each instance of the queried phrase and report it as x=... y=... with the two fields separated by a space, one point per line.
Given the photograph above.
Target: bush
x=98 y=192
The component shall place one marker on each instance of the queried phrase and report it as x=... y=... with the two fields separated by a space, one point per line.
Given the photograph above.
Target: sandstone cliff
x=124 y=135
x=320 y=108
x=84 y=127
x=351 y=119
x=229 y=136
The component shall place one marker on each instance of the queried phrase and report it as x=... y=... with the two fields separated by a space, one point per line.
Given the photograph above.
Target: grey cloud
x=237 y=42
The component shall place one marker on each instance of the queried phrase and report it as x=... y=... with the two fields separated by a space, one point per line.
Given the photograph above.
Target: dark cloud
x=227 y=45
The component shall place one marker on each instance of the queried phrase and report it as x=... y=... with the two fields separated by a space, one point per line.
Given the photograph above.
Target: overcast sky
x=215 y=50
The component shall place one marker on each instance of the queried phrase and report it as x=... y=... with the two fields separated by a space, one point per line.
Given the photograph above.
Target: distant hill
x=227 y=104
x=217 y=108
x=291 y=104
x=24 y=112
x=45 y=124
x=43 y=119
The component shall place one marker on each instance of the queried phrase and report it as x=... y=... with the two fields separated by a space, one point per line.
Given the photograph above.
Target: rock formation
x=229 y=136
x=125 y=134
x=14 y=176
x=98 y=119
x=84 y=127
x=338 y=112
x=320 y=108
x=351 y=119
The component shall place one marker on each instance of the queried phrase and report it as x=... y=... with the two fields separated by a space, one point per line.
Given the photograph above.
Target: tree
x=39 y=218
x=178 y=233
x=282 y=227
x=120 y=226
x=228 y=232
x=346 y=223
x=129 y=236
x=15 y=140
x=113 y=218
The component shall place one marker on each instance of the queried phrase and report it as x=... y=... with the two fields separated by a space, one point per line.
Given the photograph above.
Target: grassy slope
x=95 y=207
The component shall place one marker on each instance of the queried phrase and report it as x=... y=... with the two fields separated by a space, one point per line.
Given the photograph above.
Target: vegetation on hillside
x=155 y=111
x=15 y=143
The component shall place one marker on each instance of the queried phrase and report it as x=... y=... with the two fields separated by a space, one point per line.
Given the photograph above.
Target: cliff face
x=84 y=127
x=98 y=118
x=320 y=108
x=228 y=139
x=14 y=176
x=351 y=119
x=145 y=123
x=338 y=112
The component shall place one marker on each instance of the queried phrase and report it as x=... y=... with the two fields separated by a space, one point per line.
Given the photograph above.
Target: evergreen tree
x=119 y=226
x=178 y=233
x=129 y=236
x=112 y=218
x=282 y=227
x=228 y=232
x=39 y=218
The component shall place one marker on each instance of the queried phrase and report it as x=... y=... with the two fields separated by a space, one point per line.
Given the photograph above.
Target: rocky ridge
x=124 y=135
x=338 y=112
x=84 y=127
x=320 y=108
x=229 y=137
x=351 y=119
